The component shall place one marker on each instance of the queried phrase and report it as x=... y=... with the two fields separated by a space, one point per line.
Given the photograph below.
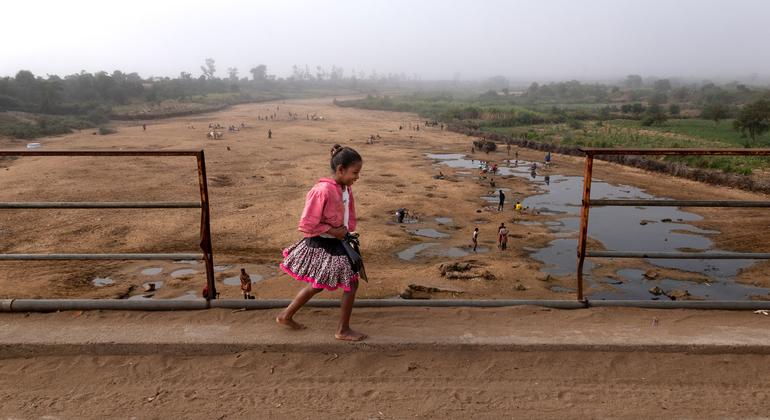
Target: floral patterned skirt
x=322 y=262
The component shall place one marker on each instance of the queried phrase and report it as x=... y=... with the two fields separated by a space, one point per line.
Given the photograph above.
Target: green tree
x=674 y=109
x=259 y=72
x=753 y=120
x=662 y=85
x=654 y=115
x=209 y=69
x=637 y=108
x=50 y=94
x=633 y=81
x=232 y=74
x=715 y=111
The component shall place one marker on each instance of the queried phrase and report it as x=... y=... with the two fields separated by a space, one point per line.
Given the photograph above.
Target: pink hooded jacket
x=324 y=209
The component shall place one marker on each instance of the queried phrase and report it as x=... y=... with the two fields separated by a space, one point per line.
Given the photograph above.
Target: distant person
x=517 y=206
x=502 y=200
x=269 y=133
x=144 y=127
x=475 y=239
x=509 y=149
x=245 y=284
x=320 y=258
x=547 y=158
x=502 y=237
x=400 y=214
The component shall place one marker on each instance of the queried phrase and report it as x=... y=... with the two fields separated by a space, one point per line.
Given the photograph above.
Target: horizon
x=430 y=41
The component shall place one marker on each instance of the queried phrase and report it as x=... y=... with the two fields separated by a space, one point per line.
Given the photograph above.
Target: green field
x=691 y=133
x=704 y=129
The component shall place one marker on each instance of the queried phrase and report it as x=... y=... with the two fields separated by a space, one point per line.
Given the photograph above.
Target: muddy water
x=102 y=281
x=183 y=272
x=663 y=229
x=430 y=233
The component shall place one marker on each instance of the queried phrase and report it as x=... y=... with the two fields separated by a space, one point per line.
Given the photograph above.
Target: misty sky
x=522 y=40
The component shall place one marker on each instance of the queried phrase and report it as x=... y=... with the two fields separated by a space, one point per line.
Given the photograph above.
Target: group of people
x=501 y=204
x=502 y=238
x=434 y=123
x=235 y=128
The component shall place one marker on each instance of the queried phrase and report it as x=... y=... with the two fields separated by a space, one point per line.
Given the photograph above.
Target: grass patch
x=623 y=133
x=704 y=129
x=31 y=128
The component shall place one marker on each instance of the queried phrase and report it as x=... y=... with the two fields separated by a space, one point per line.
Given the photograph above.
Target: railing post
x=581 y=251
x=208 y=255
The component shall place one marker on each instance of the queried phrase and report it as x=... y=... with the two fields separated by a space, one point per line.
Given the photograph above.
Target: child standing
x=502 y=237
x=245 y=284
x=319 y=258
x=475 y=238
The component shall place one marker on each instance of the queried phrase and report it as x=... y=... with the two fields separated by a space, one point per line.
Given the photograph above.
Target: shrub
x=103 y=131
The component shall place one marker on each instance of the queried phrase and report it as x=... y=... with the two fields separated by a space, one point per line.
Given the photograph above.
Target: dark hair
x=344 y=156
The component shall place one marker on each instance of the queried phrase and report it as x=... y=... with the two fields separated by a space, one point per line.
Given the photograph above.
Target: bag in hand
x=352 y=248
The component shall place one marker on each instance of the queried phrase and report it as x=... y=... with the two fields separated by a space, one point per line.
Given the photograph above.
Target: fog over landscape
x=520 y=40
x=561 y=207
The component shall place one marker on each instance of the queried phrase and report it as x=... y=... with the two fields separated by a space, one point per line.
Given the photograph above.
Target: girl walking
x=320 y=259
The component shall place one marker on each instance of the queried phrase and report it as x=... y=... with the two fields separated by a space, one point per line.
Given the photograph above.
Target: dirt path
x=257 y=190
x=389 y=385
x=419 y=362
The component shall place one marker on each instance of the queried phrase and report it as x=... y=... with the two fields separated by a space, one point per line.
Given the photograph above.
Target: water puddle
x=445 y=156
x=102 y=281
x=221 y=268
x=662 y=229
x=190 y=295
x=410 y=253
x=429 y=233
x=183 y=272
x=561 y=289
x=152 y=271
x=432 y=249
x=444 y=220
x=634 y=285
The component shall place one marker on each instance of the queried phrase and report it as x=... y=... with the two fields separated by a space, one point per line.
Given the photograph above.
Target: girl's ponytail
x=344 y=156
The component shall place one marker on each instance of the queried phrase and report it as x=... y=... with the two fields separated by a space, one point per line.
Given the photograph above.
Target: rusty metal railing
x=587 y=202
x=203 y=204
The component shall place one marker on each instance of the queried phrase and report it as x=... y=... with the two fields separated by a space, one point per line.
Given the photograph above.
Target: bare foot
x=282 y=320
x=349 y=335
